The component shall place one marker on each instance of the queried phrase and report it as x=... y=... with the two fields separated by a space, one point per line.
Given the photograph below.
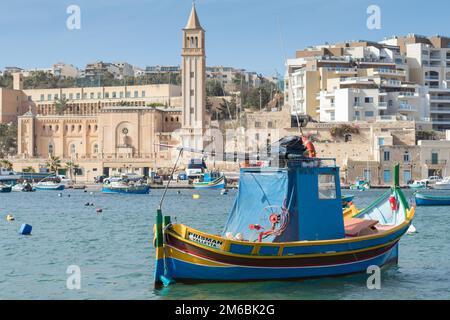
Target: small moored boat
x=48 y=186
x=444 y=184
x=432 y=200
x=418 y=184
x=210 y=181
x=119 y=185
x=4 y=188
x=23 y=187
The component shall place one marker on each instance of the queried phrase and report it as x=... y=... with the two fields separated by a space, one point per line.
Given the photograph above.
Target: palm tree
x=61 y=105
x=71 y=168
x=53 y=164
x=6 y=164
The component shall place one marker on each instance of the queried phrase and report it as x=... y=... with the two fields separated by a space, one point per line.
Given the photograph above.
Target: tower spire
x=193 y=22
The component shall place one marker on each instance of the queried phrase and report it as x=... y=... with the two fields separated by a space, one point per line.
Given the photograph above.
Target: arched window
x=73 y=149
x=95 y=148
x=50 y=149
x=79 y=127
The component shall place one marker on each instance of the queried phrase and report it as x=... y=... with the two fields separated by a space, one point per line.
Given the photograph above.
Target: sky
x=256 y=35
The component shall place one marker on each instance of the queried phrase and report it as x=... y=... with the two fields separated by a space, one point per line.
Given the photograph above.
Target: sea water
x=114 y=254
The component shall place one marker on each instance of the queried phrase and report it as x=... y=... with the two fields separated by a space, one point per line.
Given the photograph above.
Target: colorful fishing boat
x=432 y=200
x=360 y=185
x=210 y=181
x=121 y=186
x=286 y=223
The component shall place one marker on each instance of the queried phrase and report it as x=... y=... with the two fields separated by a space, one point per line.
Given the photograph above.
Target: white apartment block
x=430 y=67
x=402 y=78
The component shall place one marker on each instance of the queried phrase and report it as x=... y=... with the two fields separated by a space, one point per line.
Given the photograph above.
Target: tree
x=72 y=168
x=8 y=139
x=6 y=81
x=6 y=164
x=61 y=105
x=53 y=164
x=214 y=89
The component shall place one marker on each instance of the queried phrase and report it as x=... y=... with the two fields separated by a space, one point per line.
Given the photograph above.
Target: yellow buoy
x=10 y=217
x=195 y=196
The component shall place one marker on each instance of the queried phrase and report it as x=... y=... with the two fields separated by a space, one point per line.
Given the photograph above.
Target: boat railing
x=311 y=162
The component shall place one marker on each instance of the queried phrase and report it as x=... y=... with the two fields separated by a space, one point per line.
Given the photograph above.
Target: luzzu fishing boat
x=210 y=181
x=286 y=223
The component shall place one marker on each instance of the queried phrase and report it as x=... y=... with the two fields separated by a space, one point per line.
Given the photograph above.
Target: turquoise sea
x=114 y=250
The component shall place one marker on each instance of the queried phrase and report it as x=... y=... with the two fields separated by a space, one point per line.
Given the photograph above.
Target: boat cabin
x=301 y=201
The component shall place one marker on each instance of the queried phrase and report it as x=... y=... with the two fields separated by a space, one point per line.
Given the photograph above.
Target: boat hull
x=219 y=183
x=441 y=186
x=5 y=189
x=188 y=260
x=49 y=188
x=424 y=200
x=184 y=271
x=131 y=190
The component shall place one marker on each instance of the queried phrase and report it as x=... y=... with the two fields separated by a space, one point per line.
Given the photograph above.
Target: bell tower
x=193 y=81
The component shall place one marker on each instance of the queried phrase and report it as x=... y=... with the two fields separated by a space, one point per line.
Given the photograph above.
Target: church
x=112 y=138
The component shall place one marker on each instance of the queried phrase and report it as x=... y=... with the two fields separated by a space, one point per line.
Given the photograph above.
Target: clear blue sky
x=240 y=33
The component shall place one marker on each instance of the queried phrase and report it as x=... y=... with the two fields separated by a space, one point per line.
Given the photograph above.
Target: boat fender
x=25 y=229
x=10 y=217
x=229 y=235
x=239 y=237
x=393 y=203
x=309 y=147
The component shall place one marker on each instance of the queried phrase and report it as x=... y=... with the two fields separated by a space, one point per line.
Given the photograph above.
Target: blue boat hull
x=43 y=188
x=143 y=190
x=189 y=272
x=422 y=200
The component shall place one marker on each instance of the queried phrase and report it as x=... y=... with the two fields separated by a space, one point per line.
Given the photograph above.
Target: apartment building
x=430 y=67
x=357 y=81
x=227 y=75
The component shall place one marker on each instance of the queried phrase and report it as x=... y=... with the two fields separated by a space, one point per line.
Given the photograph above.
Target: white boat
x=23 y=187
x=65 y=181
x=8 y=175
x=419 y=184
x=48 y=185
x=444 y=184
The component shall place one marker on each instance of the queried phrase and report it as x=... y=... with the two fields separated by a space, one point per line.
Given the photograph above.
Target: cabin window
x=327 y=186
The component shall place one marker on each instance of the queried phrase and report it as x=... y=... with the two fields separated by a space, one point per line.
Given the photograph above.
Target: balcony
x=437 y=163
x=341 y=70
x=382 y=105
x=407 y=94
x=392 y=72
x=406 y=107
x=391 y=83
x=440 y=110
x=440 y=98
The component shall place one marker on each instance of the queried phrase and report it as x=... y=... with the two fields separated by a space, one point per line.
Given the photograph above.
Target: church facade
x=107 y=136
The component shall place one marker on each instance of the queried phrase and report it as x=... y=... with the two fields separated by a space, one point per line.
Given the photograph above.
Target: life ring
x=309 y=147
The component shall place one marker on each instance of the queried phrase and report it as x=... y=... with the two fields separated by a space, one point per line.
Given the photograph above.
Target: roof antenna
x=291 y=92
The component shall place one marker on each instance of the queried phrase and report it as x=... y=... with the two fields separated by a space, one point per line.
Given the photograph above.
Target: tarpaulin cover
x=260 y=193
